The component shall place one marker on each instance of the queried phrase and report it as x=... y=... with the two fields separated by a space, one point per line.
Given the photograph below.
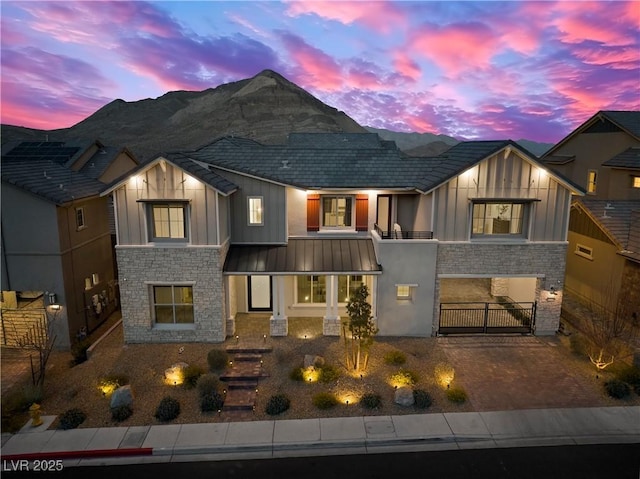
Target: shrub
x=444 y=374
x=277 y=404
x=404 y=377
x=208 y=383
x=121 y=413
x=112 y=382
x=31 y=393
x=168 y=409
x=328 y=373
x=396 y=358
x=456 y=395
x=325 y=400
x=421 y=399
x=217 y=359
x=631 y=376
x=617 y=389
x=371 y=401
x=79 y=351
x=211 y=401
x=72 y=418
x=190 y=376
x=296 y=374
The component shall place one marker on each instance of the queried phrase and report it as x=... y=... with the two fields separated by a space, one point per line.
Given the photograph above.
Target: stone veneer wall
x=139 y=266
x=543 y=260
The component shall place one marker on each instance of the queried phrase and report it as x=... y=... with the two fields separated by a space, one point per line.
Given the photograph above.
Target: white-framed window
x=347 y=285
x=313 y=289
x=404 y=292
x=172 y=304
x=592 y=181
x=635 y=182
x=255 y=210
x=584 y=251
x=167 y=221
x=337 y=211
x=499 y=218
x=80 y=221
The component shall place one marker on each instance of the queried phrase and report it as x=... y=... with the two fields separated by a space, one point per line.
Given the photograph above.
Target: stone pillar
x=331 y=321
x=230 y=323
x=278 y=323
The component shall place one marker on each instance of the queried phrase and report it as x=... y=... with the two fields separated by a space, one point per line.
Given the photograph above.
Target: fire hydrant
x=34 y=413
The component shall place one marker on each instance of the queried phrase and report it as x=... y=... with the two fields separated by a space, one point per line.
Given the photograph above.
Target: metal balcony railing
x=402 y=234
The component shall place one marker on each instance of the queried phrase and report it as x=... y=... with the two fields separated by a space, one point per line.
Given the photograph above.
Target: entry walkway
x=327 y=436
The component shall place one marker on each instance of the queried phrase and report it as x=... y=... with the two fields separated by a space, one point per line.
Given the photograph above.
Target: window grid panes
x=498 y=218
x=255 y=210
x=313 y=289
x=80 y=218
x=173 y=304
x=169 y=221
x=592 y=181
x=337 y=211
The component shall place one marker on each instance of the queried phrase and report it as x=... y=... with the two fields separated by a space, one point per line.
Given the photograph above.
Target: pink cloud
x=406 y=66
x=315 y=68
x=449 y=46
x=380 y=16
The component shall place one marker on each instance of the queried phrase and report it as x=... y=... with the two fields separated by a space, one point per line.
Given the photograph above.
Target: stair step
x=239 y=399
x=248 y=357
x=237 y=384
x=248 y=348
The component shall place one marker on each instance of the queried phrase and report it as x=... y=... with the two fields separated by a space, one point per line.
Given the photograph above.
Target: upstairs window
x=635 y=182
x=254 y=204
x=499 y=218
x=337 y=211
x=592 y=180
x=168 y=221
x=80 y=224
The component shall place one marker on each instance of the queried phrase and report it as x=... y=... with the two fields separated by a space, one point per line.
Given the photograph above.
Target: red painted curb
x=137 y=451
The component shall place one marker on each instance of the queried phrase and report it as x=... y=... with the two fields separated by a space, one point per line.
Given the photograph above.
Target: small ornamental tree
x=362 y=328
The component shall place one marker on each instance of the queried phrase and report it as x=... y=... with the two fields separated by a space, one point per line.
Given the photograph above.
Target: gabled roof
x=628 y=159
x=618 y=219
x=627 y=121
x=182 y=161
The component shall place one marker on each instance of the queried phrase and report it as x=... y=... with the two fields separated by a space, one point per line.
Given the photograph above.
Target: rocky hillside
x=266 y=108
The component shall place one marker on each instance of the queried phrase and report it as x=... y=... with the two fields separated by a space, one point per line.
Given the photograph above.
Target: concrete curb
x=30 y=456
x=109 y=331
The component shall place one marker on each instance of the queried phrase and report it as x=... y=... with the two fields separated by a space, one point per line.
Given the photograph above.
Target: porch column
x=230 y=301
x=374 y=298
x=331 y=320
x=278 y=323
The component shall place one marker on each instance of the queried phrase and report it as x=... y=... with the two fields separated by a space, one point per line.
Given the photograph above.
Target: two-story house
x=57 y=250
x=603 y=258
x=473 y=240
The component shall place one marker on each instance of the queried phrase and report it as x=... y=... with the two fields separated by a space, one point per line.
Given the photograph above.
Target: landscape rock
x=315 y=361
x=123 y=396
x=404 y=396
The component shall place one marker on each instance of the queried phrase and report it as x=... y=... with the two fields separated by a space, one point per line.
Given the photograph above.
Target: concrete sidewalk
x=318 y=437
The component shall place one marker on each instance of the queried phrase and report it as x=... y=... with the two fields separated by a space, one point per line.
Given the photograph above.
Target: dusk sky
x=473 y=70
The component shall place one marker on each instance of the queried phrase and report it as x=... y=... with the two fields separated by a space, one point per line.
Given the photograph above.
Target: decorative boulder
x=311 y=360
x=123 y=396
x=404 y=396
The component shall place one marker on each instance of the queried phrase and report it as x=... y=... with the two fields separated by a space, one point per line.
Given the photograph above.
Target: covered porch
x=306 y=278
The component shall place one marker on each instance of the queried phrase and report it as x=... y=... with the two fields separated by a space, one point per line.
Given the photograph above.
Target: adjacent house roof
x=628 y=159
x=41 y=169
x=627 y=121
x=304 y=256
x=620 y=221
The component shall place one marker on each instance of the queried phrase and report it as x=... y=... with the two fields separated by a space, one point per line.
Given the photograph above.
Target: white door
x=259 y=287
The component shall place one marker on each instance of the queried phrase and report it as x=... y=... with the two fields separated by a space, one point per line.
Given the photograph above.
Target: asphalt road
x=585 y=462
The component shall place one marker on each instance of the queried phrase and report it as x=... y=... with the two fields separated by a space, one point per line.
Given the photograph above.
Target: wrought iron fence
x=410 y=234
x=487 y=318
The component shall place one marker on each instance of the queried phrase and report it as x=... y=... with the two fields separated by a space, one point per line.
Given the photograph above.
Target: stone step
x=248 y=384
x=243 y=370
x=239 y=399
x=249 y=349
x=251 y=357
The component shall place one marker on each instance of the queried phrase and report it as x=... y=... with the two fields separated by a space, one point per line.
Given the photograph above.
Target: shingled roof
x=40 y=168
x=628 y=159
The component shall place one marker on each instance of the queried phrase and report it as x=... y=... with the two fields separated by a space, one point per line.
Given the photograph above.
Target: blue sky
x=482 y=70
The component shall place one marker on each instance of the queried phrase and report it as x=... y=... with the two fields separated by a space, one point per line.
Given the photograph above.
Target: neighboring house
x=292 y=229
x=57 y=248
x=603 y=258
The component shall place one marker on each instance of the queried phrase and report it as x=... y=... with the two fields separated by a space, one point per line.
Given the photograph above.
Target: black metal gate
x=487 y=318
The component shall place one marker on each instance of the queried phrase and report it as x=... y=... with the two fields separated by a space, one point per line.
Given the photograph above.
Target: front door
x=259 y=288
x=383 y=213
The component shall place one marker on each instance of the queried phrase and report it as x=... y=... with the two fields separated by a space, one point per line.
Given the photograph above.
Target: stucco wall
x=141 y=266
x=545 y=261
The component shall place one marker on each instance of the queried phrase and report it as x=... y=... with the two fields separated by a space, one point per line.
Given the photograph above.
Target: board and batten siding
x=505 y=175
x=166 y=183
x=274 y=227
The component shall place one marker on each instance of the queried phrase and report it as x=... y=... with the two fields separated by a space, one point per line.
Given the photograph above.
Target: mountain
x=266 y=108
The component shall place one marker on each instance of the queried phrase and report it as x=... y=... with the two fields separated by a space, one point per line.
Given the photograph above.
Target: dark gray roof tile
x=630 y=158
